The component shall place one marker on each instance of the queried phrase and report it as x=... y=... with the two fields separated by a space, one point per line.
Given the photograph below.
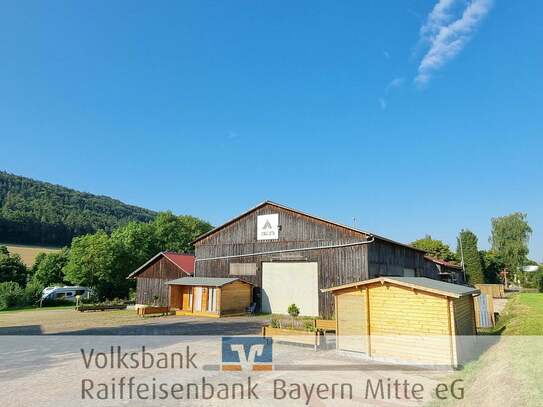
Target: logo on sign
x=246 y=353
x=267 y=227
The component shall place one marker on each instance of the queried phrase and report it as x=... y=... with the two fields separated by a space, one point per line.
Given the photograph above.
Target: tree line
x=506 y=257
x=35 y=212
x=99 y=260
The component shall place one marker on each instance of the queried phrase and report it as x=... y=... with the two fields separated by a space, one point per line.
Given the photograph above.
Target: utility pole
x=462 y=256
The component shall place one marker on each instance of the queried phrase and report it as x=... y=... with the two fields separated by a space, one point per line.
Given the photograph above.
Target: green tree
x=12 y=267
x=176 y=233
x=91 y=263
x=509 y=239
x=11 y=295
x=435 y=248
x=492 y=266
x=467 y=243
x=103 y=262
x=48 y=268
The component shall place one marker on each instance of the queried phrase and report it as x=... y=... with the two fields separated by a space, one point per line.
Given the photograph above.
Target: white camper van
x=66 y=293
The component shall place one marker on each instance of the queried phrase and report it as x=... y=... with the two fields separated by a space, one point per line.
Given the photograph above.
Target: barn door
x=351 y=321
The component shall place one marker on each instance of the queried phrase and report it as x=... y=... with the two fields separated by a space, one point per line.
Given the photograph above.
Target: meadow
x=28 y=253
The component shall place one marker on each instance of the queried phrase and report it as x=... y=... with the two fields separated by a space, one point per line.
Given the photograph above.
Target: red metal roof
x=184 y=261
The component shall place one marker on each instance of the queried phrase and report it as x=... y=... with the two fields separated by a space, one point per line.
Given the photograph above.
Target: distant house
x=152 y=276
x=449 y=272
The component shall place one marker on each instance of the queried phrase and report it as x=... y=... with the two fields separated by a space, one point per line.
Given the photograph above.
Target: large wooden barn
x=151 y=277
x=289 y=256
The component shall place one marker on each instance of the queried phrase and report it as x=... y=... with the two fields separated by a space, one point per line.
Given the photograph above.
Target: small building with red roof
x=151 y=277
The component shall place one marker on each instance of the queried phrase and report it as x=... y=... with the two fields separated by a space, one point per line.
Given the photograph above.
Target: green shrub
x=541 y=284
x=11 y=295
x=274 y=323
x=293 y=310
x=309 y=325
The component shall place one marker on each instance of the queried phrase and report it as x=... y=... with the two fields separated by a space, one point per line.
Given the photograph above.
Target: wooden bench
x=325 y=325
x=153 y=310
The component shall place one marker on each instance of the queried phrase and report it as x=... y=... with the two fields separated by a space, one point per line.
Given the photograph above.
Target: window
x=243 y=269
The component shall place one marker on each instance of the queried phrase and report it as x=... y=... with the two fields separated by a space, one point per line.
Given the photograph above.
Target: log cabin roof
x=205 y=281
x=270 y=203
x=416 y=283
x=185 y=262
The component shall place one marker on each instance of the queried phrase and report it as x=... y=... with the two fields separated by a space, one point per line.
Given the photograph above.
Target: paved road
x=70 y=322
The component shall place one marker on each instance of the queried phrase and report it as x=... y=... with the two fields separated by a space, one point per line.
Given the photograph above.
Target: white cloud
x=447 y=32
x=394 y=83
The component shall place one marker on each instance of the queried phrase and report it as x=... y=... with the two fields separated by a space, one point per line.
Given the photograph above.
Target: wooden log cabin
x=209 y=297
x=151 y=277
x=406 y=319
x=272 y=244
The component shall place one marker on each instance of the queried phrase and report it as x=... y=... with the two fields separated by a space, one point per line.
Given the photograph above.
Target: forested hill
x=35 y=212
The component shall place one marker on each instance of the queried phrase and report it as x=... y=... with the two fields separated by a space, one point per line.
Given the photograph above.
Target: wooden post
x=219 y=301
x=452 y=339
x=337 y=317
x=368 y=319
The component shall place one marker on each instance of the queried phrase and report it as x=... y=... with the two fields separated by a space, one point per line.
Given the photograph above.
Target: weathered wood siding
x=150 y=282
x=389 y=259
x=336 y=266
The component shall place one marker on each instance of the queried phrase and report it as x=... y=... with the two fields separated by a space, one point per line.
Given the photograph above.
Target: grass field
x=510 y=372
x=28 y=253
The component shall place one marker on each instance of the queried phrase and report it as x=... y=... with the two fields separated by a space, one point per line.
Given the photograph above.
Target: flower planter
x=292 y=336
x=83 y=308
x=153 y=310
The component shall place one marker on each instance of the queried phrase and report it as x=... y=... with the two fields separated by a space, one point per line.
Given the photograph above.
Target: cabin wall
x=464 y=316
x=404 y=324
x=336 y=266
x=150 y=282
x=235 y=297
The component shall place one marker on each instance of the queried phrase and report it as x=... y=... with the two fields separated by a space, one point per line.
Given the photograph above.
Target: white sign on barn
x=267 y=227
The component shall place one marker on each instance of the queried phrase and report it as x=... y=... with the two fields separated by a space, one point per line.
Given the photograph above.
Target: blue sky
x=414 y=117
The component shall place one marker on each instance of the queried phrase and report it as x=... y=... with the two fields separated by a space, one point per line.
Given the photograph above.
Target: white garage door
x=290 y=283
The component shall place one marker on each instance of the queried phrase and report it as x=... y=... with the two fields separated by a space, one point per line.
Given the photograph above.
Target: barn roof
x=218 y=228
x=185 y=262
x=418 y=283
x=443 y=263
x=204 y=281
